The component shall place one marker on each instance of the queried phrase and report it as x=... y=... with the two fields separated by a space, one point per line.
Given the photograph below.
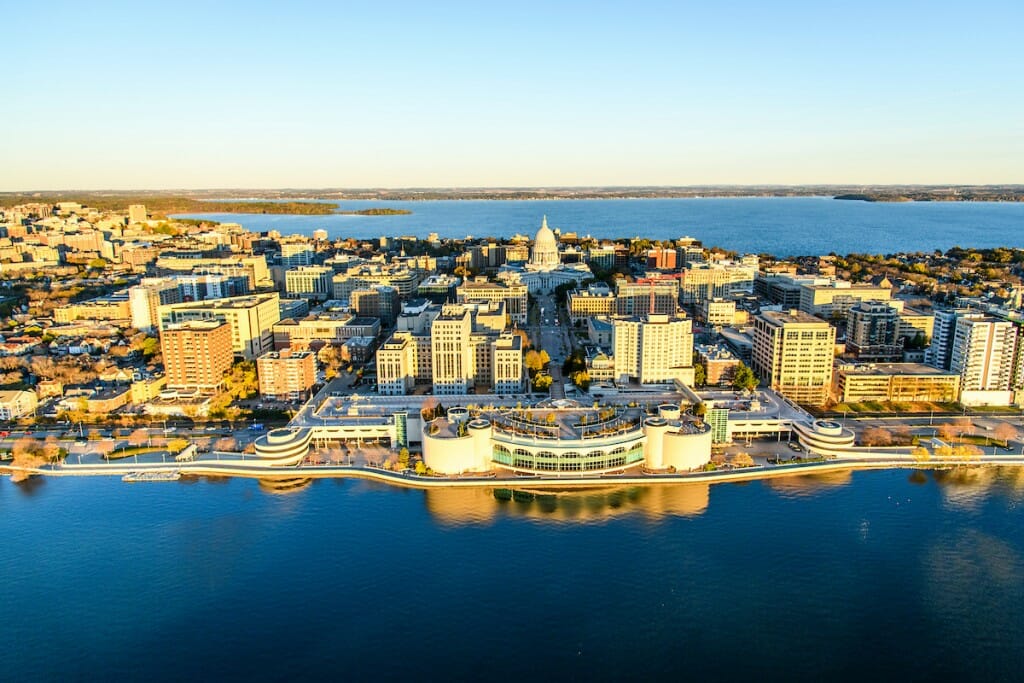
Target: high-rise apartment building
x=873 y=332
x=653 y=349
x=286 y=375
x=983 y=353
x=251 y=319
x=197 y=354
x=940 y=352
x=793 y=353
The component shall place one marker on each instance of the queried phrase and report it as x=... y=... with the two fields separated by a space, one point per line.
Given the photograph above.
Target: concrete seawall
x=415 y=481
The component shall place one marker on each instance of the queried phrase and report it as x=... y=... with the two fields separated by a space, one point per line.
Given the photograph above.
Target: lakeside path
x=415 y=481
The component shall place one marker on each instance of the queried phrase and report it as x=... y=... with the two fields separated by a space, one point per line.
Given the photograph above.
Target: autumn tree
x=947 y=432
x=533 y=362
x=1004 y=431
x=330 y=357
x=27 y=453
x=226 y=443
x=542 y=382
x=742 y=460
x=241 y=381
x=876 y=436
x=51 y=448
x=177 y=445
x=139 y=437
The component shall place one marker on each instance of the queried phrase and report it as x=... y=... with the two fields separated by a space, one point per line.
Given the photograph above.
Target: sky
x=110 y=95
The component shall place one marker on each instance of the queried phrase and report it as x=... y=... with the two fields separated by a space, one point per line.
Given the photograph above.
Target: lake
x=783 y=226
x=893 y=575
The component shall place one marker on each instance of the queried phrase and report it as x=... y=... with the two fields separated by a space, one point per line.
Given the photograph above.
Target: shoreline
x=429 y=482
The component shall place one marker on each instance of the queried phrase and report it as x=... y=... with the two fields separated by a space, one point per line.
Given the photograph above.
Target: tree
x=581 y=379
x=742 y=460
x=542 y=382
x=876 y=436
x=241 y=381
x=947 y=432
x=545 y=359
x=330 y=357
x=177 y=445
x=1004 y=431
x=421 y=469
x=139 y=437
x=226 y=443
x=964 y=425
x=533 y=362
x=699 y=374
x=744 y=378
x=403 y=457
x=920 y=454
x=51 y=448
x=27 y=453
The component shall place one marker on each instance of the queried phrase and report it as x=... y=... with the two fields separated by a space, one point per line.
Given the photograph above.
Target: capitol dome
x=545 y=247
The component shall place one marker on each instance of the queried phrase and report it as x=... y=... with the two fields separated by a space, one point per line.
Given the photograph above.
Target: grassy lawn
x=895 y=408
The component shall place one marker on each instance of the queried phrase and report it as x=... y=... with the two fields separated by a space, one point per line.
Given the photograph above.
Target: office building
x=596 y=299
x=309 y=282
x=514 y=294
x=251 y=318
x=793 y=353
x=649 y=296
x=297 y=254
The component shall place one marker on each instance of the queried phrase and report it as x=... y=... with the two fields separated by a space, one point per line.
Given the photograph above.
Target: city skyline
x=459 y=95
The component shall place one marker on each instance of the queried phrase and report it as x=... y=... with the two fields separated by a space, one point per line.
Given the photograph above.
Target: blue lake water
x=782 y=226
x=887 y=575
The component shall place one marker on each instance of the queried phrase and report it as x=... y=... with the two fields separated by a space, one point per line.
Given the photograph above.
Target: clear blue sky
x=391 y=94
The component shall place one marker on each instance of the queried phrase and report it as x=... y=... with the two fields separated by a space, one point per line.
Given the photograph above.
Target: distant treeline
x=946 y=195
x=377 y=212
x=161 y=203
x=160 y=206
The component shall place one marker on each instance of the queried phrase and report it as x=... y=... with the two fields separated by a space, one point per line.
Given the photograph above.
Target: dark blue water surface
x=782 y=225
x=876 y=575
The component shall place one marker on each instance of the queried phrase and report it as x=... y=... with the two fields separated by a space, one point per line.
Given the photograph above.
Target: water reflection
x=29 y=486
x=284 y=486
x=482 y=505
x=967 y=488
x=808 y=485
x=970 y=579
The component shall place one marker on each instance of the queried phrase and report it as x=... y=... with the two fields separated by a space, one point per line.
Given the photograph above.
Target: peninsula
x=153 y=348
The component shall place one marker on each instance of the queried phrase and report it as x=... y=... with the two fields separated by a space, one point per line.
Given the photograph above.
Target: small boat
x=160 y=475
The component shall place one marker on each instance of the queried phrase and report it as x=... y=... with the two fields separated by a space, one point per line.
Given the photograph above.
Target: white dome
x=545 y=239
